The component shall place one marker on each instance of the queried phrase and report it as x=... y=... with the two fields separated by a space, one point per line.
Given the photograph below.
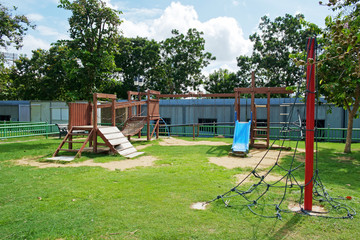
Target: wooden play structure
x=256 y=132
x=83 y=121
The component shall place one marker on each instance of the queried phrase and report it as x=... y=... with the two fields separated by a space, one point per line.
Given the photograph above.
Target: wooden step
x=259 y=138
x=78 y=134
x=260 y=129
x=110 y=136
x=135 y=154
x=74 y=141
x=118 y=141
x=106 y=130
x=124 y=146
x=127 y=151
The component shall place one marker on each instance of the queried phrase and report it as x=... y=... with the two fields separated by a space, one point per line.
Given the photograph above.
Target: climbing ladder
x=111 y=136
x=261 y=133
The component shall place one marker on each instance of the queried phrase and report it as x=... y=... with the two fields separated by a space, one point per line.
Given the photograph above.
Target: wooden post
x=253 y=109
x=113 y=112
x=148 y=117
x=69 y=125
x=95 y=123
x=193 y=131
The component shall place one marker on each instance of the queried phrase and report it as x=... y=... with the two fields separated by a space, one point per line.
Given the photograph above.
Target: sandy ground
x=270 y=178
x=179 y=142
x=251 y=160
x=145 y=161
x=230 y=162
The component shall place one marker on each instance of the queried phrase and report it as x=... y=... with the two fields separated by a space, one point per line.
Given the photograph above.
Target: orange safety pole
x=310 y=120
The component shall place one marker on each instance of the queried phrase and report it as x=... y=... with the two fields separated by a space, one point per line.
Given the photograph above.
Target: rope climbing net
x=269 y=198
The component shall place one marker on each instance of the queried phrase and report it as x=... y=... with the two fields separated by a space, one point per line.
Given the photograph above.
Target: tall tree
x=137 y=58
x=12 y=31
x=339 y=65
x=12 y=27
x=273 y=44
x=183 y=57
x=94 y=32
x=224 y=81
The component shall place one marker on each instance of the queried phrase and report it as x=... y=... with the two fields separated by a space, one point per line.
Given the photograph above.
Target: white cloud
x=47 y=31
x=34 y=17
x=224 y=37
x=31 y=43
x=109 y=4
x=235 y=3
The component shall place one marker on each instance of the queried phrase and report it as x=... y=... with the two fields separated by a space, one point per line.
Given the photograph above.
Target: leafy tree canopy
x=273 y=44
x=339 y=64
x=94 y=30
x=12 y=27
x=182 y=59
x=224 y=81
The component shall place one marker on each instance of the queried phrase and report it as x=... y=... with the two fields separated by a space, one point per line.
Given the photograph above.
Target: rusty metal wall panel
x=154 y=108
x=80 y=114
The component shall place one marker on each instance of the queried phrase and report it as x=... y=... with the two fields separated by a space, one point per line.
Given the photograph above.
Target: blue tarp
x=241 y=137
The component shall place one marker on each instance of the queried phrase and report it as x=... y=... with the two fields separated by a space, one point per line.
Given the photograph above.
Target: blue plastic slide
x=241 y=137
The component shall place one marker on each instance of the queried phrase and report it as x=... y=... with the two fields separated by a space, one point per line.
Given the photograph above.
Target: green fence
x=16 y=129
x=212 y=130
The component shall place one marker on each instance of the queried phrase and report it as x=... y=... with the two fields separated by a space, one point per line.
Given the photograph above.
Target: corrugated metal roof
x=14 y=103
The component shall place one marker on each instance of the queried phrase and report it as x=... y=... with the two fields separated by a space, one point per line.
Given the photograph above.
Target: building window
x=5 y=117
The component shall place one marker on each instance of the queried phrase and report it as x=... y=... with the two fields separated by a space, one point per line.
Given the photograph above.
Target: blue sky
x=226 y=24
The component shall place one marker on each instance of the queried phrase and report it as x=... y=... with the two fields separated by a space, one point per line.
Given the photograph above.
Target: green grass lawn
x=154 y=202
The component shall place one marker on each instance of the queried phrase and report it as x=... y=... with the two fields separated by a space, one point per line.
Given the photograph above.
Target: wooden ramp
x=112 y=137
x=133 y=125
x=117 y=142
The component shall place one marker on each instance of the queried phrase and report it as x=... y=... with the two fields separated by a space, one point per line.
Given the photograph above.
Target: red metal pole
x=310 y=120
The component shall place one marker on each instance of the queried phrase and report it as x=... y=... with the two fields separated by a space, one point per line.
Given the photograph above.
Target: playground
x=153 y=200
x=124 y=185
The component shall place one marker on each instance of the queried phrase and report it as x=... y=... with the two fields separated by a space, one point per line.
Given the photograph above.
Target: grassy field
x=154 y=202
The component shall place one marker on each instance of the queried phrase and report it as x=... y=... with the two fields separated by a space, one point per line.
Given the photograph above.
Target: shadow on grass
x=219 y=151
x=334 y=167
x=288 y=227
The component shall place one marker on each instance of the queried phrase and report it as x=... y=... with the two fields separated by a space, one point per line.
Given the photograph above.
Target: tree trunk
x=349 y=133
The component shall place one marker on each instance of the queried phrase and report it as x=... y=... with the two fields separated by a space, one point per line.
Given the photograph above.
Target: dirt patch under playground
x=252 y=160
x=145 y=161
x=179 y=142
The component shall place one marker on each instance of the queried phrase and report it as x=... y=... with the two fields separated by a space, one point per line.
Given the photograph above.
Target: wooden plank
x=78 y=154
x=107 y=130
x=263 y=90
x=106 y=141
x=125 y=145
x=105 y=95
x=224 y=95
x=127 y=151
x=63 y=142
x=118 y=141
x=110 y=136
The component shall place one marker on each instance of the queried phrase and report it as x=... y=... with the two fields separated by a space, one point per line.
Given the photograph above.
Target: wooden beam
x=225 y=95
x=264 y=90
x=105 y=95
